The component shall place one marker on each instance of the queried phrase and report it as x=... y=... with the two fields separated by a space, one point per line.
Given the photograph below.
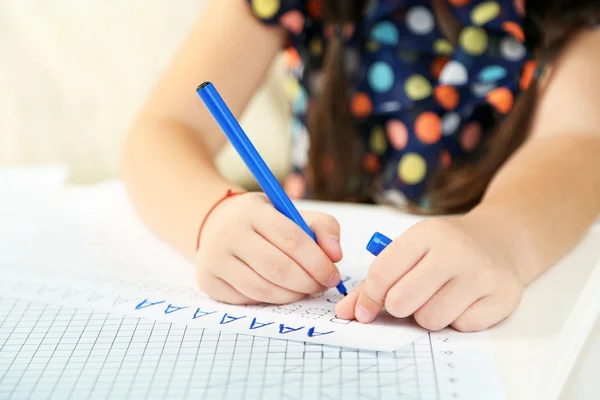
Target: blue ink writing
x=312 y=333
x=228 y=319
x=199 y=313
x=256 y=325
x=286 y=329
x=146 y=303
x=171 y=309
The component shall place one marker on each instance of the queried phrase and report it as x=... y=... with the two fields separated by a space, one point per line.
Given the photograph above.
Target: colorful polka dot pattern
x=419 y=102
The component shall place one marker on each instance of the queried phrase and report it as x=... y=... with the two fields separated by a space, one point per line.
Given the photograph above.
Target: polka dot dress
x=419 y=102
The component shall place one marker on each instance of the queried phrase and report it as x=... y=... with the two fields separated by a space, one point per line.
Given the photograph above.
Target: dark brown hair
x=548 y=26
x=334 y=141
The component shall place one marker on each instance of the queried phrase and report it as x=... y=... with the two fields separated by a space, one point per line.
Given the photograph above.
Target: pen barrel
x=248 y=153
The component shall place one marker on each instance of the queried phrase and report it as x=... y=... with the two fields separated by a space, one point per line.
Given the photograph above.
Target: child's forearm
x=543 y=200
x=172 y=181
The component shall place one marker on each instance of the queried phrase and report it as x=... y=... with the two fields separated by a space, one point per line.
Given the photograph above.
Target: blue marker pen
x=378 y=243
x=261 y=172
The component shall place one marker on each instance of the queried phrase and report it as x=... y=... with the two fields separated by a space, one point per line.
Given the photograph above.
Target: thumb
x=327 y=230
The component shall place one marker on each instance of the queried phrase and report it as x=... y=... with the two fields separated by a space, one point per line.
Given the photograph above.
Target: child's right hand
x=251 y=253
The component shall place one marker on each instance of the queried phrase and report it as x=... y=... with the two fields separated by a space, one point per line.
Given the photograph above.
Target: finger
x=220 y=290
x=327 y=230
x=246 y=281
x=275 y=266
x=366 y=308
x=446 y=305
x=483 y=314
x=390 y=266
x=393 y=263
x=345 y=307
x=294 y=242
x=417 y=286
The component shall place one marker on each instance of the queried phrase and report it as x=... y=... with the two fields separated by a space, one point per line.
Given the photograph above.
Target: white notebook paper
x=54 y=352
x=84 y=254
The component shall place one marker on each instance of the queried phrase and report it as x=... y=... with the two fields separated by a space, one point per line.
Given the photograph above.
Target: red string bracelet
x=227 y=195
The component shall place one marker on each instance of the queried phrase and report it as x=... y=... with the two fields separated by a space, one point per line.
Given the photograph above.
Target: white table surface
x=542 y=344
x=538 y=348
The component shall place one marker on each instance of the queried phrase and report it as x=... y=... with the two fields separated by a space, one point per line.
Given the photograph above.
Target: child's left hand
x=450 y=271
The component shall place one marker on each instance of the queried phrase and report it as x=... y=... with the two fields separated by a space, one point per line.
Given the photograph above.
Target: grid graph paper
x=53 y=352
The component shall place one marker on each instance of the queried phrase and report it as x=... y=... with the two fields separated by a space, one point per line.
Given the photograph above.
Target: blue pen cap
x=377 y=243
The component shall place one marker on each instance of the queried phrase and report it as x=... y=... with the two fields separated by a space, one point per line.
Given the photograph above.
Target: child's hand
x=444 y=272
x=251 y=253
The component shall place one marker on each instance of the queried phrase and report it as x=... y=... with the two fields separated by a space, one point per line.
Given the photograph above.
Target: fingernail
x=334 y=279
x=362 y=315
x=335 y=240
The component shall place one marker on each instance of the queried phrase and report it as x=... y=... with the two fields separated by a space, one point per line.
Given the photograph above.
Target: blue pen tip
x=342 y=289
x=378 y=243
